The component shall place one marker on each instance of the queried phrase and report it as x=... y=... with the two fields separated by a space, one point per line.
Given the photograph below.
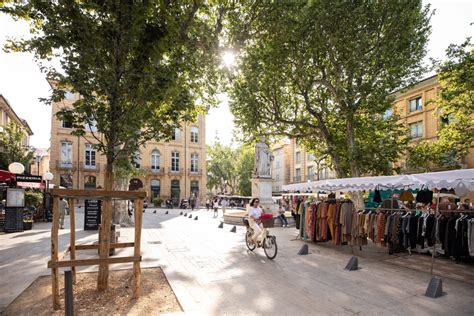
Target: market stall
x=442 y=225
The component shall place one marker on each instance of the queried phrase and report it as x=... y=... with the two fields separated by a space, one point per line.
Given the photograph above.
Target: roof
x=16 y=117
x=412 y=86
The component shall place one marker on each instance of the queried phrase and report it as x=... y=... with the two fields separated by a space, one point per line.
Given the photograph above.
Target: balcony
x=175 y=172
x=195 y=172
x=154 y=171
x=92 y=168
x=62 y=165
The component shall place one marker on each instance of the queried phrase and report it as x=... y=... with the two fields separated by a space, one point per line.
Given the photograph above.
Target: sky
x=22 y=83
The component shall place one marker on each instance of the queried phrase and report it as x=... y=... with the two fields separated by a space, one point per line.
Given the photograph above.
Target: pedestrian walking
x=208 y=204
x=224 y=204
x=215 y=205
x=192 y=201
x=63 y=206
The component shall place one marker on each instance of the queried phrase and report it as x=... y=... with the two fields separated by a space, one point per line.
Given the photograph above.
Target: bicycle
x=268 y=243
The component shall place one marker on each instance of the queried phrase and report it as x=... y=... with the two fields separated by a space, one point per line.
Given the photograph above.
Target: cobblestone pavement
x=212 y=273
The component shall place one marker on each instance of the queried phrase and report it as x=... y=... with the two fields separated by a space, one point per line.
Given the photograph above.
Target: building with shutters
x=170 y=170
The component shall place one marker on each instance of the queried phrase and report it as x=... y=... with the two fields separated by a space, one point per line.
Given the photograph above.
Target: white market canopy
x=432 y=180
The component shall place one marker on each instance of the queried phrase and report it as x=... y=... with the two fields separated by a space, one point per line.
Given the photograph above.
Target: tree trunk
x=106 y=221
x=120 y=207
x=356 y=197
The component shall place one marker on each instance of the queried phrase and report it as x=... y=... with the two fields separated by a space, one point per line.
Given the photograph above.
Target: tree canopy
x=13 y=147
x=140 y=68
x=322 y=71
x=230 y=169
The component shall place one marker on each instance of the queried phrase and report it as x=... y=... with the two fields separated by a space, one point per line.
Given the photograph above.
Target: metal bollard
x=68 y=294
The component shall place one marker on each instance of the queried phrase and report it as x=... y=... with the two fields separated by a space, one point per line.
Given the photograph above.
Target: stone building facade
x=169 y=170
x=418 y=113
x=40 y=162
x=280 y=165
x=304 y=166
x=8 y=115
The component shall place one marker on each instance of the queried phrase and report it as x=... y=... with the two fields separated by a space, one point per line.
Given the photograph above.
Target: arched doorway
x=175 y=192
x=155 y=189
x=135 y=184
x=90 y=183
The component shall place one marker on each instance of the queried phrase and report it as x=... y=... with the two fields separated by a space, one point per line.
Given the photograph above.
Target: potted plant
x=33 y=200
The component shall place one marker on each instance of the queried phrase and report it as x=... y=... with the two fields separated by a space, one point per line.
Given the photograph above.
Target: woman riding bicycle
x=255 y=212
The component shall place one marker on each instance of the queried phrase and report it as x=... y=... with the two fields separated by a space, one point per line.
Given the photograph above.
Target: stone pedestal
x=262 y=189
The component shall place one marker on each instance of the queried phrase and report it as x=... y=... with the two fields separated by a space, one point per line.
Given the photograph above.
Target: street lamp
x=47 y=176
x=16 y=167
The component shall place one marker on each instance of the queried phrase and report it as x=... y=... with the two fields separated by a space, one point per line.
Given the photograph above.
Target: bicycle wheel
x=270 y=247
x=248 y=240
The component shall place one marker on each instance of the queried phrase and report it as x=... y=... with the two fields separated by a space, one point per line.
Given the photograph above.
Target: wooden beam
x=96 y=246
x=138 y=212
x=98 y=194
x=104 y=243
x=54 y=253
x=91 y=262
x=72 y=244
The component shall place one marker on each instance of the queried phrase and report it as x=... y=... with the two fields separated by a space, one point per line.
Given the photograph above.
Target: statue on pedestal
x=263 y=159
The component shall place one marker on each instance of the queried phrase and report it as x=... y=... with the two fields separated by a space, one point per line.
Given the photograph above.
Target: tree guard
x=104 y=238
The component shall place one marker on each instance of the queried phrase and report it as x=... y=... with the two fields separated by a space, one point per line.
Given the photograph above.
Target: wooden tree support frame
x=104 y=244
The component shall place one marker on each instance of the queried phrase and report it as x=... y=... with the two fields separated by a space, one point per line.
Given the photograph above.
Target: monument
x=262 y=178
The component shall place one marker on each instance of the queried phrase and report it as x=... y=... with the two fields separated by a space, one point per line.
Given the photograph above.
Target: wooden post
x=104 y=242
x=72 y=245
x=138 y=235
x=54 y=253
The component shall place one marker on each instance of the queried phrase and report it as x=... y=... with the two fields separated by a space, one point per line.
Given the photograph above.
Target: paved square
x=212 y=273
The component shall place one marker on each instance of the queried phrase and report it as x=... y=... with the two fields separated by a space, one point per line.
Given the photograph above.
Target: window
x=310 y=157
x=176 y=134
x=137 y=160
x=66 y=123
x=324 y=173
x=277 y=177
x=90 y=156
x=194 y=162
x=297 y=174
x=298 y=157
x=155 y=160
x=194 y=189
x=194 y=134
x=310 y=173
x=90 y=182
x=175 y=161
x=415 y=104
x=66 y=154
x=2 y=117
x=416 y=130
x=155 y=189
x=65 y=180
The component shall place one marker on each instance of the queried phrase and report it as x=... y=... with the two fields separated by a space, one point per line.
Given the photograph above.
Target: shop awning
x=432 y=180
x=6 y=176
x=445 y=179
